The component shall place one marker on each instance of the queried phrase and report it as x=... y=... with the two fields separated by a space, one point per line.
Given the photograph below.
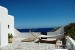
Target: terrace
x=18 y=45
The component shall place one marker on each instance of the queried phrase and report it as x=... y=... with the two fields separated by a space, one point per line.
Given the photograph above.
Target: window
x=8 y=26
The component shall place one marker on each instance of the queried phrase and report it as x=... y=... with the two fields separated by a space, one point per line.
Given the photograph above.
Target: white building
x=6 y=26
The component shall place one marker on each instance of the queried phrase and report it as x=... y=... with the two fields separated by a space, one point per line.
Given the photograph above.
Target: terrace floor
x=18 y=45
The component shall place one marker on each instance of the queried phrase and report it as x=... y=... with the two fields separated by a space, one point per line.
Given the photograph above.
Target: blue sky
x=40 y=13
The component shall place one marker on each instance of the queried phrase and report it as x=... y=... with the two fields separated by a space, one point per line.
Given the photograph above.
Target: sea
x=36 y=29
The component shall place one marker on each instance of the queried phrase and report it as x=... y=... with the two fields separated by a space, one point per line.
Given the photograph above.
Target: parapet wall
x=26 y=34
x=70 y=43
x=59 y=33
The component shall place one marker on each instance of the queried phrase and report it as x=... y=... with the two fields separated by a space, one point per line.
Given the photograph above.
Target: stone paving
x=18 y=45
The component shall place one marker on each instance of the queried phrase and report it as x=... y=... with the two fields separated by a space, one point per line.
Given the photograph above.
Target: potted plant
x=10 y=37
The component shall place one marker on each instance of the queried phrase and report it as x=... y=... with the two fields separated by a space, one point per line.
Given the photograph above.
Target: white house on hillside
x=6 y=26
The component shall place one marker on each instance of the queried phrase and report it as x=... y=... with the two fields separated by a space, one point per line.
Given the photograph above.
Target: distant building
x=6 y=26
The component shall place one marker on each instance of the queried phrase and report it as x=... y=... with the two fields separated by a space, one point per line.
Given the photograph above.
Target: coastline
x=36 y=29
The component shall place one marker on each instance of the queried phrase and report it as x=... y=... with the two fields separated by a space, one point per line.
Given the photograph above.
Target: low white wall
x=16 y=32
x=29 y=35
x=71 y=42
x=59 y=31
x=26 y=34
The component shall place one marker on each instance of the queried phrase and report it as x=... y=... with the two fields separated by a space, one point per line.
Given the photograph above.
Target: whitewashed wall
x=16 y=32
x=25 y=34
x=11 y=24
x=59 y=31
x=5 y=20
x=0 y=33
x=70 y=43
x=3 y=26
x=29 y=35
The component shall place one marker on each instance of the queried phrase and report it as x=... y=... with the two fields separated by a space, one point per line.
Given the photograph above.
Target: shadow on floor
x=46 y=42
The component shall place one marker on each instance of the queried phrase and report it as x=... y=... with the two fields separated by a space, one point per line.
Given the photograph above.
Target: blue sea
x=36 y=30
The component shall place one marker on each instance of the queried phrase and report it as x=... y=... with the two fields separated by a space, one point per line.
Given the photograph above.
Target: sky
x=40 y=13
